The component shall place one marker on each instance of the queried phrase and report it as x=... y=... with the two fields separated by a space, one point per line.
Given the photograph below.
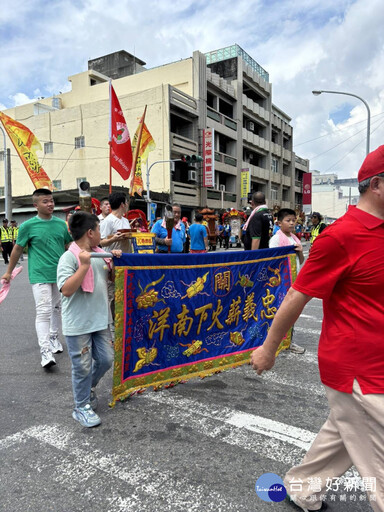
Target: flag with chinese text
x=147 y=144
x=26 y=144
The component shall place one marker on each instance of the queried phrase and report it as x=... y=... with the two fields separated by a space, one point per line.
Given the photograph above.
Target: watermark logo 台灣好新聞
x=270 y=487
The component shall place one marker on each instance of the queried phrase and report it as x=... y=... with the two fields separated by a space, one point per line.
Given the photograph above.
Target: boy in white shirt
x=286 y=220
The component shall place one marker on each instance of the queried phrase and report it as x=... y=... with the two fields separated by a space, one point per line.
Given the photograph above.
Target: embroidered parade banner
x=179 y=316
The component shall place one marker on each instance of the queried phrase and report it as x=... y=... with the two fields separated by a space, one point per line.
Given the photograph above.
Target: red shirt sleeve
x=327 y=263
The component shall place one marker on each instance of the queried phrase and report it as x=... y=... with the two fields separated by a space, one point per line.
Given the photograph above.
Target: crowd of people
x=58 y=250
x=341 y=270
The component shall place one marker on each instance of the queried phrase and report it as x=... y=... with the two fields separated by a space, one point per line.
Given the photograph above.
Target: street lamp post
x=148 y=196
x=317 y=93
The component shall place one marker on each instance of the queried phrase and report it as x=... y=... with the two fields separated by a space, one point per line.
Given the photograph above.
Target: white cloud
x=20 y=99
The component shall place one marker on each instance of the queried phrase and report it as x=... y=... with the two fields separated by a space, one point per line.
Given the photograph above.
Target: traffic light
x=191 y=159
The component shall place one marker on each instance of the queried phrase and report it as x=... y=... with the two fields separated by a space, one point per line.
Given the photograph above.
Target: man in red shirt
x=351 y=346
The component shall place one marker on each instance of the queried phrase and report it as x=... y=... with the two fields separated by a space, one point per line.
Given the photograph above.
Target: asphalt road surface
x=200 y=446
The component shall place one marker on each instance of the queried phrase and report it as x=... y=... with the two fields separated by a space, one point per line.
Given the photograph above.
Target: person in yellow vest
x=15 y=234
x=6 y=240
x=317 y=226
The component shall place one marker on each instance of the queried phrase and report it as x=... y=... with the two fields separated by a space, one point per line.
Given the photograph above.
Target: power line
x=62 y=169
x=342 y=158
x=342 y=142
x=331 y=133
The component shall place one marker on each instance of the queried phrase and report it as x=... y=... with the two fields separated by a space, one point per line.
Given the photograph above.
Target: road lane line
x=146 y=480
x=310 y=317
x=239 y=420
x=307 y=331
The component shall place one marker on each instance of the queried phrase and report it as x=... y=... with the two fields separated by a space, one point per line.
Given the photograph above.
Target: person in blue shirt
x=198 y=235
x=178 y=233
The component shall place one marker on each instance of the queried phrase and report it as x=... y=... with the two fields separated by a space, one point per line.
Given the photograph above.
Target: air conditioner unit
x=251 y=126
x=222 y=187
x=192 y=176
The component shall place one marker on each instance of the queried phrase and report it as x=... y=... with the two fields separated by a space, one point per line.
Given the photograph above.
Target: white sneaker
x=56 y=346
x=86 y=416
x=47 y=359
x=293 y=347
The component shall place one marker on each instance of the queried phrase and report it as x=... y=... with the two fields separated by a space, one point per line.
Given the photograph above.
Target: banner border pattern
x=122 y=390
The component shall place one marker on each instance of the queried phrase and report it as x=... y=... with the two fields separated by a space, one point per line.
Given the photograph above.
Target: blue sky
x=303 y=44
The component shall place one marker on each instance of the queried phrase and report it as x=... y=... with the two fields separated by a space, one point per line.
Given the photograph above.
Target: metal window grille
x=79 y=142
x=48 y=147
x=57 y=184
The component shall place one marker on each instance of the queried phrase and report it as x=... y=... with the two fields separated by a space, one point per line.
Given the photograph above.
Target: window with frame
x=80 y=180
x=48 y=147
x=79 y=142
x=274 y=192
x=274 y=165
x=57 y=184
x=2 y=192
x=1 y=156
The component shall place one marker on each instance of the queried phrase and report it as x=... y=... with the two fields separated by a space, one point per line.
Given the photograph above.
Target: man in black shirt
x=259 y=225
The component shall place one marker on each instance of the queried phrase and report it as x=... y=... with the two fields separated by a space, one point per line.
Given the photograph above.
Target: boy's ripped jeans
x=91 y=357
x=48 y=307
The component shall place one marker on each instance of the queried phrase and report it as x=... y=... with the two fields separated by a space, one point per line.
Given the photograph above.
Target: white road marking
x=313 y=389
x=192 y=410
x=307 y=331
x=146 y=479
x=310 y=317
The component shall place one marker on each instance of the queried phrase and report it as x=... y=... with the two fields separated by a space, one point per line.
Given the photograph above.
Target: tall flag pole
x=120 y=142
x=110 y=137
x=26 y=144
x=136 y=153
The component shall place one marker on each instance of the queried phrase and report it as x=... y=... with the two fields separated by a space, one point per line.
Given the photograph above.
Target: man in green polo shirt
x=46 y=237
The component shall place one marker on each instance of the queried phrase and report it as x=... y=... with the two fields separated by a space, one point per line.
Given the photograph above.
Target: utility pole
x=8 y=187
x=148 y=198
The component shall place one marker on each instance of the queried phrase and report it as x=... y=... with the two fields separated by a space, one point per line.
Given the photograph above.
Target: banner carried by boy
x=179 y=316
x=26 y=144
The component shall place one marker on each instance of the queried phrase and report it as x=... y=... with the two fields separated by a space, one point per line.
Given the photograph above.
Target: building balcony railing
x=221 y=118
x=229 y=160
x=226 y=159
x=255 y=108
x=214 y=194
x=232 y=51
x=257 y=172
x=183 y=100
x=183 y=144
x=186 y=194
x=303 y=164
x=276 y=149
x=287 y=155
x=255 y=140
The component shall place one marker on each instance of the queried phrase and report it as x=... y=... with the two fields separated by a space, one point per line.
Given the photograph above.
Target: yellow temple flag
x=147 y=144
x=26 y=144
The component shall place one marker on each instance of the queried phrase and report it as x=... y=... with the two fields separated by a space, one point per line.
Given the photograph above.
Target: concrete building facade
x=332 y=196
x=225 y=90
